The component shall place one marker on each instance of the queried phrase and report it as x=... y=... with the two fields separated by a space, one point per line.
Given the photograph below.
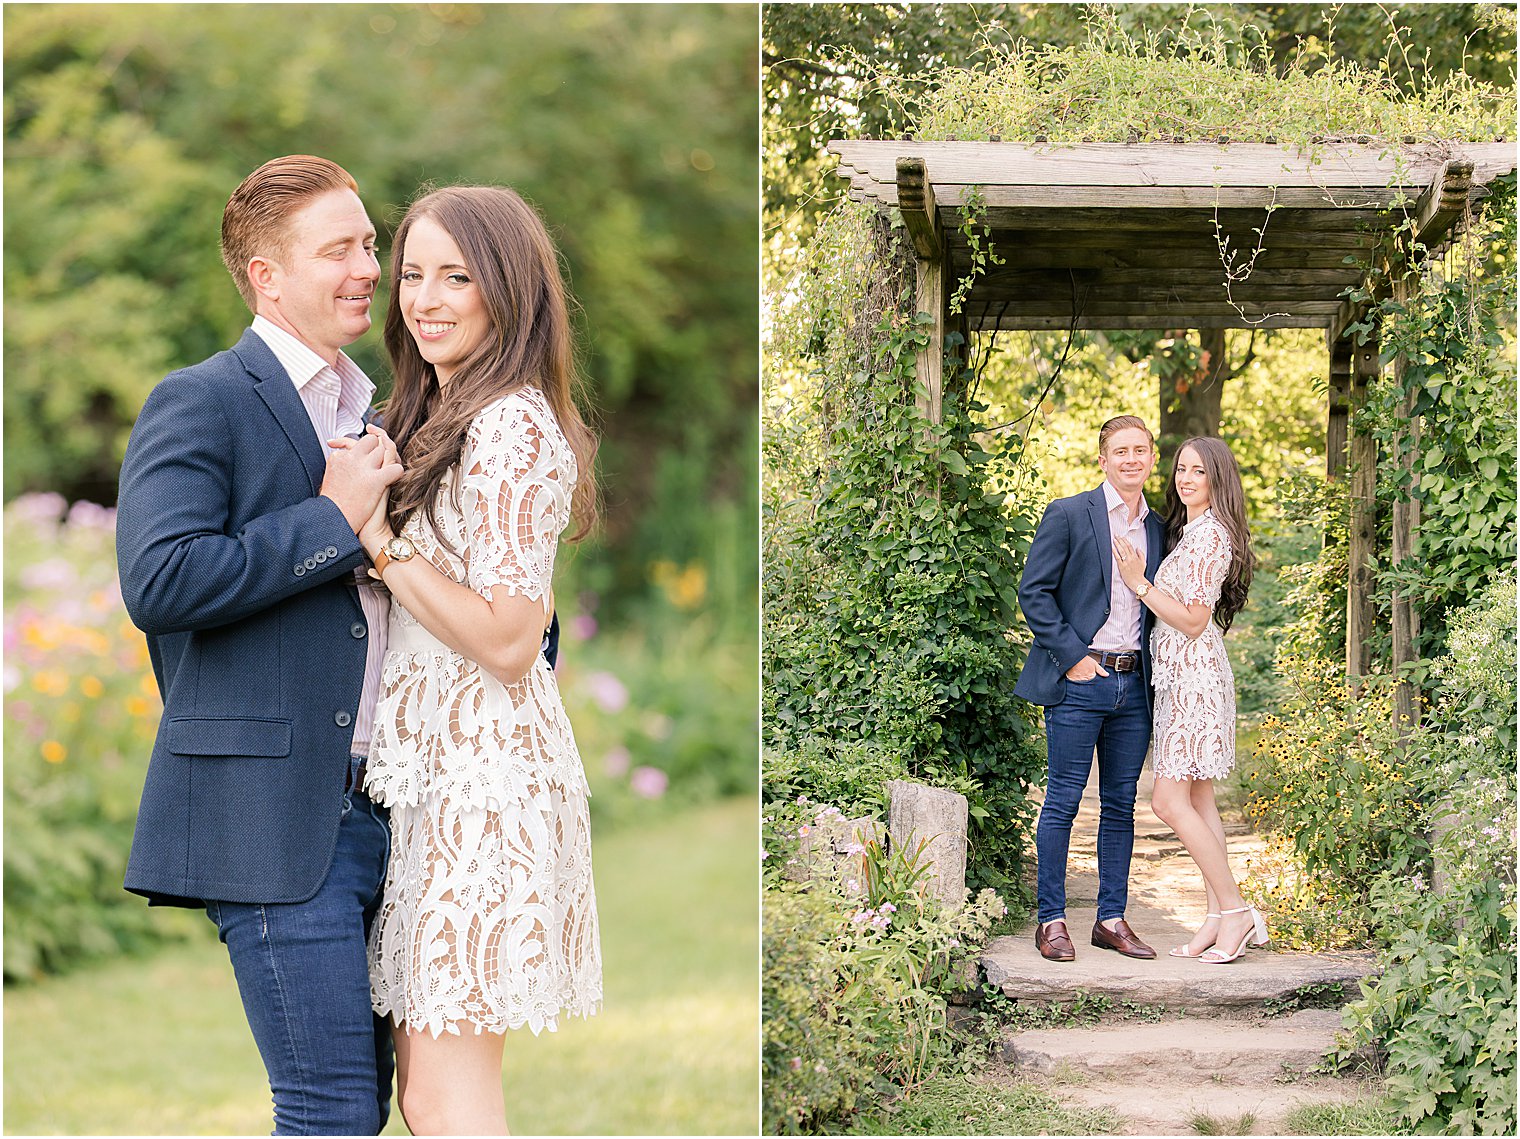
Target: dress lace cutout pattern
x=1194 y=733
x=489 y=915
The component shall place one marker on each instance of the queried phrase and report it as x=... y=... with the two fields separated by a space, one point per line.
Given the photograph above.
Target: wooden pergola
x=1130 y=236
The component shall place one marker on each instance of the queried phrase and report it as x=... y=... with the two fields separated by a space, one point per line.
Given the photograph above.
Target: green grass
x=1366 y=1116
x=1204 y=1124
x=159 y=1046
x=966 y=1105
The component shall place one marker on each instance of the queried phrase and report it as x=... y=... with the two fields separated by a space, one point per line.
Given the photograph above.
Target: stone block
x=938 y=818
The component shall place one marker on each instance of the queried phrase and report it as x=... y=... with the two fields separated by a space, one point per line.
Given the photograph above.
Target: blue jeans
x=1109 y=713
x=304 y=978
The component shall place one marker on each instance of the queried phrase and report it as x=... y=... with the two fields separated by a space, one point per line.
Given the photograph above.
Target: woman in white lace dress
x=489 y=916
x=1199 y=588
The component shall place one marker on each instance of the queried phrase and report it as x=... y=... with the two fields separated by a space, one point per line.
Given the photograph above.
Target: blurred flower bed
x=664 y=713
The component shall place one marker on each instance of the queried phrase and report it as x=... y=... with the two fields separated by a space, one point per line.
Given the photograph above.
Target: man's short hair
x=255 y=222
x=1121 y=423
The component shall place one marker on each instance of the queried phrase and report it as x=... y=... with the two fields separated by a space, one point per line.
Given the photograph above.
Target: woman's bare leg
x=1172 y=800
x=451 y=1085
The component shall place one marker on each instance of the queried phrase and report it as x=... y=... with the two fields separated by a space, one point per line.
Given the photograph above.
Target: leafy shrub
x=81 y=711
x=1327 y=775
x=891 y=572
x=1444 y=1008
x=854 y=984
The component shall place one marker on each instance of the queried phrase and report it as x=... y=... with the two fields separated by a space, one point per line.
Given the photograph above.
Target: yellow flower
x=91 y=687
x=54 y=752
x=51 y=682
x=137 y=706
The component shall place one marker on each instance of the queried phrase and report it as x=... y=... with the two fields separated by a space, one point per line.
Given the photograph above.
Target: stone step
x=1255 y=1052
x=1014 y=965
x=1172 y=1106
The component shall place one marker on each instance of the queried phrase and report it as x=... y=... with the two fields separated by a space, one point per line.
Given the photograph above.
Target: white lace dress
x=1193 y=736
x=489 y=916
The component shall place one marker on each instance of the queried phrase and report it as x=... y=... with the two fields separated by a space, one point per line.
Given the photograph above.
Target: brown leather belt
x=354 y=781
x=1128 y=661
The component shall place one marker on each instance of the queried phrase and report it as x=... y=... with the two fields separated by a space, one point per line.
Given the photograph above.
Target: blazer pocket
x=220 y=736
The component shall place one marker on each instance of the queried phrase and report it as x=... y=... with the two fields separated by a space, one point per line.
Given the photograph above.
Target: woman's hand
x=1131 y=564
x=376 y=529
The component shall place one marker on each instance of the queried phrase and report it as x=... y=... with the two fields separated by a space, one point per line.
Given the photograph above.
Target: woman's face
x=440 y=301
x=1192 y=481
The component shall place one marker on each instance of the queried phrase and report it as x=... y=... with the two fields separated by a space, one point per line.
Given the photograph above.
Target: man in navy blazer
x=237 y=548
x=1090 y=669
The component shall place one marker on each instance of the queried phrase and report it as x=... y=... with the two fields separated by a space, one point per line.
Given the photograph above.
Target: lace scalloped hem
x=437 y=1024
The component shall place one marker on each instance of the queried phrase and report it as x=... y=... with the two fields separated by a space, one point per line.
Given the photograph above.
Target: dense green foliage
x=1444 y=1007
x=889 y=583
x=663 y=715
x=858 y=959
x=631 y=128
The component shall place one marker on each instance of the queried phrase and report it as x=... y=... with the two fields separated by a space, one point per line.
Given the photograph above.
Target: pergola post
x=1362 y=453
x=1406 y=521
x=1338 y=409
x=915 y=198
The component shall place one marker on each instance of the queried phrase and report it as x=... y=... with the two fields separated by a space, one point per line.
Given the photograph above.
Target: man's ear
x=264 y=276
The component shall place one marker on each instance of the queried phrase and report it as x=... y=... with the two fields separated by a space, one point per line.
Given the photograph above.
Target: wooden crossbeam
x=1014 y=320
x=915 y=198
x=1205 y=165
x=1443 y=203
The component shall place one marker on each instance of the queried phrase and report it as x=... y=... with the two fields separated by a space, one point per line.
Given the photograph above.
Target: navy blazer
x=1064 y=592
x=241 y=576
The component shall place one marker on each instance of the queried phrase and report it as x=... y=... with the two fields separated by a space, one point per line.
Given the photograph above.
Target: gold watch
x=1145 y=587
x=397 y=549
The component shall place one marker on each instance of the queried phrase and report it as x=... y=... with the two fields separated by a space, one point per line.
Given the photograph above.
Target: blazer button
x=300 y=570
x=358 y=629
x=311 y=563
x=343 y=719
x=332 y=551
x=320 y=556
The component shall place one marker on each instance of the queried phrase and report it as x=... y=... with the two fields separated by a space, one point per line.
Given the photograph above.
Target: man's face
x=320 y=289
x=1128 y=459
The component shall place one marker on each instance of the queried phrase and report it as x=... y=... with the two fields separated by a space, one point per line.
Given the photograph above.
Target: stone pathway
x=1216 y=1050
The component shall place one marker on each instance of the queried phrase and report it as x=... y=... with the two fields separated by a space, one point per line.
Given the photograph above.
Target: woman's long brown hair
x=516 y=267
x=1227 y=499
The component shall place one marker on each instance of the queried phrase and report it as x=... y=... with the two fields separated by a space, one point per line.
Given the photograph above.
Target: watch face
x=399 y=549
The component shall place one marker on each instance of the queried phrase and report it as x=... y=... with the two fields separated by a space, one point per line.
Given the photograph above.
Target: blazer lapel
x=279 y=395
x=1097 y=512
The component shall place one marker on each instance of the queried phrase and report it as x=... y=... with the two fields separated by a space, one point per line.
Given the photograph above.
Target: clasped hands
x=359 y=475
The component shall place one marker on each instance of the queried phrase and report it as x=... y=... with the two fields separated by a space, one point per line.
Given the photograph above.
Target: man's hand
x=1085 y=669
x=358 y=472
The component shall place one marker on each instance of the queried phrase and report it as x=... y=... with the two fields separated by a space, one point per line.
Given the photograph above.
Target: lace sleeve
x=1206 y=566
x=515 y=498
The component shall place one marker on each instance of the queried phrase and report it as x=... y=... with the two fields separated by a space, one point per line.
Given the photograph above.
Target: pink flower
x=583 y=626
x=608 y=691
x=92 y=516
x=39 y=507
x=615 y=762
x=648 y=782
x=55 y=573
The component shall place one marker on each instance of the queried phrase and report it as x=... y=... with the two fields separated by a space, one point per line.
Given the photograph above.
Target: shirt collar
x=301 y=363
x=1114 y=501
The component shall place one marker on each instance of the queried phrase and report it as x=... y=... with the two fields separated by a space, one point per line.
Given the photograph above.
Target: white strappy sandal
x=1256 y=935
x=1181 y=950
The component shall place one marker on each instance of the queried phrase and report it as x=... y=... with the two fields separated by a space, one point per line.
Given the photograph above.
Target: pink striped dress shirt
x=336 y=399
x=1122 y=629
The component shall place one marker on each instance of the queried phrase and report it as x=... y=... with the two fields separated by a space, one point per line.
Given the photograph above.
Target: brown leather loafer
x=1121 y=939
x=1054 y=943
